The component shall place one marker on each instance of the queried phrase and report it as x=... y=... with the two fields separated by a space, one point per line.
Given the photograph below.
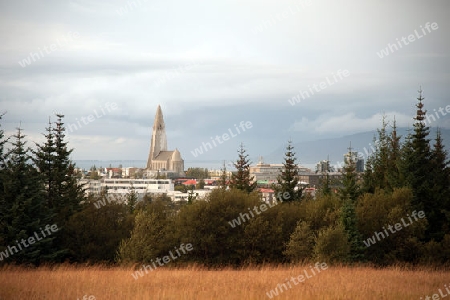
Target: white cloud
x=348 y=123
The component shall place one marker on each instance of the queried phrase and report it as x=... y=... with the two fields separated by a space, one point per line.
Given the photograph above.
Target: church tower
x=160 y=160
x=159 y=140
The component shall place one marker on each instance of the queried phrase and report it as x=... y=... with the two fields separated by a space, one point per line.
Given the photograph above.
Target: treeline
x=398 y=211
x=38 y=189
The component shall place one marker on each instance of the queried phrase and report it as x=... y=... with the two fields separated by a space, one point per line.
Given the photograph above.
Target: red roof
x=190 y=182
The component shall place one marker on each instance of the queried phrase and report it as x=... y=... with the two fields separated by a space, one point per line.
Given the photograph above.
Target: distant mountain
x=311 y=152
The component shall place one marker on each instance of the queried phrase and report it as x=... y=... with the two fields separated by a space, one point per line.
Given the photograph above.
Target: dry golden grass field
x=66 y=282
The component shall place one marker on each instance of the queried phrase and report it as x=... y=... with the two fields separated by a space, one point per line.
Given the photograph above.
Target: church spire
x=159 y=120
x=159 y=139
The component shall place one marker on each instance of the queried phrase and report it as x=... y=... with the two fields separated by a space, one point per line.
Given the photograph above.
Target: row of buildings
x=264 y=174
x=165 y=165
x=117 y=187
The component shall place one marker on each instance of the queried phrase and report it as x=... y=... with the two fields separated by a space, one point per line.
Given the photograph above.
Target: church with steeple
x=160 y=159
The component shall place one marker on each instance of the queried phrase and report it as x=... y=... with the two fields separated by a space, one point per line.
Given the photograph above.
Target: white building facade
x=125 y=185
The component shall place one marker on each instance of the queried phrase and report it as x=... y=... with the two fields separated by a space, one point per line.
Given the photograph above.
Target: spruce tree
x=348 y=219
x=44 y=160
x=375 y=174
x=393 y=175
x=62 y=191
x=419 y=158
x=349 y=193
x=24 y=211
x=223 y=177
x=406 y=162
x=325 y=188
x=368 y=184
x=381 y=157
x=440 y=188
x=416 y=169
x=132 y=199
x=241 y=179
x=288 y=180
x=350 y=189
x=70 y=193
x=382 y=166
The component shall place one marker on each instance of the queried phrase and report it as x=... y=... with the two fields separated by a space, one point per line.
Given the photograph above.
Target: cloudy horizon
x=211 y=65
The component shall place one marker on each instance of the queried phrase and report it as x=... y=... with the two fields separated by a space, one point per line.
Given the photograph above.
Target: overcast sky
x=212 y=64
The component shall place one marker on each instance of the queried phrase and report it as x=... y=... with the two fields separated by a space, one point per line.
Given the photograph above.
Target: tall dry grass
x=69 y=282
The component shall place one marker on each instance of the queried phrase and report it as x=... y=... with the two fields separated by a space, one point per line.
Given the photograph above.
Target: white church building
x=160 y=160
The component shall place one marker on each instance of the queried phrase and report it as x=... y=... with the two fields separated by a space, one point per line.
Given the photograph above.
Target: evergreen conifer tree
x=326 y=185
x=382 y=166
x=349 y=193
x=393 y=175
x=440 y=167
x=62 y=191
x=70 y=193
x=241 y=179
x=223 y=177
x=132 y=199
x=24 y=211
x=416 y=169
x=375 y=174
x=368 y=184
x=418 y=159
x=44 y=160
x=350 y=188
x=288 y=180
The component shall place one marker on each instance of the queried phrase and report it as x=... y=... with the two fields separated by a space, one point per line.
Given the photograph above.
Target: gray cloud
x=212 y=64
